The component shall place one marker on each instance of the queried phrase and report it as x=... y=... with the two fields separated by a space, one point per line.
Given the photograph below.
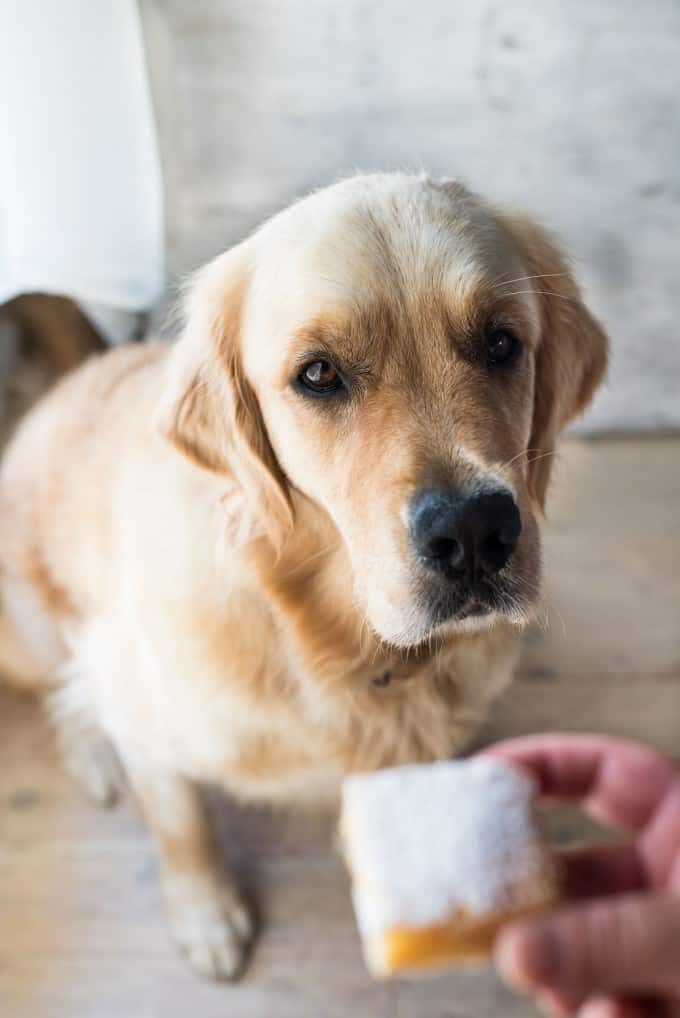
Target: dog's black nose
x=464 y=536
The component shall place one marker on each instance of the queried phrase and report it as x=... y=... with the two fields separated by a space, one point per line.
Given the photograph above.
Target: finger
x=621 y=1007
x=622 y=944
x=620 y=783
x=601 y=870
x=660 y=843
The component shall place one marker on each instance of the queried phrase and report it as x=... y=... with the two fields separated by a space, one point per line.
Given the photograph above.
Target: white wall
x=569 y=108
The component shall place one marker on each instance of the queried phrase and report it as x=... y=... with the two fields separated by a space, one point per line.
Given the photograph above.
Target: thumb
x=630 y=943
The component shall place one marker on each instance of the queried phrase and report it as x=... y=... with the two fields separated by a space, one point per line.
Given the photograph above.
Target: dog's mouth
x=474 y=610
x=440 y=613
x=451 y=606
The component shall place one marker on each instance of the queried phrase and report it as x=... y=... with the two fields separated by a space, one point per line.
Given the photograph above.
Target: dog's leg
x=207 y=917
x=89 y=756
x=208 y=920
x=87 y=752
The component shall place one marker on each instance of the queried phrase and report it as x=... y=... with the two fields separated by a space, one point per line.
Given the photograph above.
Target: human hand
x=613 y=951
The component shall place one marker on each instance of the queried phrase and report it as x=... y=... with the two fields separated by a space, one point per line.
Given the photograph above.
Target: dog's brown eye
x=502 y=347
x=320 y=378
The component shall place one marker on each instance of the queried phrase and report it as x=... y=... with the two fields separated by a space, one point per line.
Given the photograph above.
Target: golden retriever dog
x=303 y=540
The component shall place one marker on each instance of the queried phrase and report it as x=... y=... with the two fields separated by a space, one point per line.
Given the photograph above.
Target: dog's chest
x=290 y=736
x=269 y=715
x=277 y=732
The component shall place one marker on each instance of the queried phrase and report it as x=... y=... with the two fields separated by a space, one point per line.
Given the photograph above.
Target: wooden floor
x=81 y=929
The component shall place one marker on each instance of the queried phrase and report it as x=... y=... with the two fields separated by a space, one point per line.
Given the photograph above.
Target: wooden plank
x=612 y=562
x=632 y=706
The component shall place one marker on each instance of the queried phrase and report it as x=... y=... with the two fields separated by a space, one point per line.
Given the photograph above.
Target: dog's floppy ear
x=572 y=355
x=208 y=409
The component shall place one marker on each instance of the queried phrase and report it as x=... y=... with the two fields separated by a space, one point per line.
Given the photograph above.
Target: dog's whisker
x=541 y=454
x=546 y=293
x=534 y=590
x=560 y=616
x=544 y=455
x=513 y=459
x=497 y=284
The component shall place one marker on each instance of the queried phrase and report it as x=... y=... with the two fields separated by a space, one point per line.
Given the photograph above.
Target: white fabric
x=80 y=178
x=115 y=324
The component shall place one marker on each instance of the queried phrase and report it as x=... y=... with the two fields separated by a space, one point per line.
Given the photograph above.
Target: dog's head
x=403 y=356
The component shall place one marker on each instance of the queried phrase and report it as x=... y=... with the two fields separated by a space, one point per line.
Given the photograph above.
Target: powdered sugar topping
x=427 y=841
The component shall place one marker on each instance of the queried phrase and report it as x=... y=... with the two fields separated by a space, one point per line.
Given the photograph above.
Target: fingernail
x=596 y=1009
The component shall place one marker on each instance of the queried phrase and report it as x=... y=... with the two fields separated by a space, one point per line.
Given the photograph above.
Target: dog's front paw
x=213 y=933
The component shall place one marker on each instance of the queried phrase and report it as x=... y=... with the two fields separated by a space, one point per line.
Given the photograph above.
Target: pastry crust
x=460 y=940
